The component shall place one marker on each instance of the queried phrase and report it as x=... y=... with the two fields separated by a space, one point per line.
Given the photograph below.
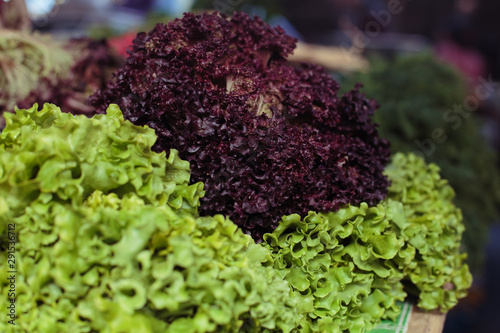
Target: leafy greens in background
x=35 y=68
x=24 y=60
x=109 y=239
x=266 y=138
x=416 y=94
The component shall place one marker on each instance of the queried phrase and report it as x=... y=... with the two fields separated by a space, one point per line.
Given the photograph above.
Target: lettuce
x=109 y=238
x=346 y=267
x=266 y=137
x=350 y=267
x=119 y=265
x=438 y=274
x=66 y=158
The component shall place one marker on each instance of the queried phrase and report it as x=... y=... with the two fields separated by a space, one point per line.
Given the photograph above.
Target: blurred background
x=433 y=66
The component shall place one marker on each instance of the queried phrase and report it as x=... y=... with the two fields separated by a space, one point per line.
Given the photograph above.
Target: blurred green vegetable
x=24 y=60
x=37 y=68
x=109 y=239
x=418 y=96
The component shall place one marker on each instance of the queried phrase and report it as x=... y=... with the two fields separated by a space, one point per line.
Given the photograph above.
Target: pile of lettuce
x=108 y=239
x=267 y=138
x=115 y=230
x=421 y=99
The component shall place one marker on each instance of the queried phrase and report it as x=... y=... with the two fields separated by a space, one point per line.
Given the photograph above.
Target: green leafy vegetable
x=438 y=274
x=120 y=265
x=346 y=267
x=68 y=157
x=109 y=239
x=350 y=267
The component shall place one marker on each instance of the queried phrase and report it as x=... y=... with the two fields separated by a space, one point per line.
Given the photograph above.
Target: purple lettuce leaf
x=266 y=137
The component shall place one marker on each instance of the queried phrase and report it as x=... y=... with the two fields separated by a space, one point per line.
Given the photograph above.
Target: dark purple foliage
x=266 y=138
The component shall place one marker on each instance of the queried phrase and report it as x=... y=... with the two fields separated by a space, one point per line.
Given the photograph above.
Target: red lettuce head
x=267 y=137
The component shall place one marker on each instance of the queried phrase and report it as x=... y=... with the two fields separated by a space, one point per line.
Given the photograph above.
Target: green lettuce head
x=120 y=265
x=109 y=238
x=439 y=274
x=350 y=267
